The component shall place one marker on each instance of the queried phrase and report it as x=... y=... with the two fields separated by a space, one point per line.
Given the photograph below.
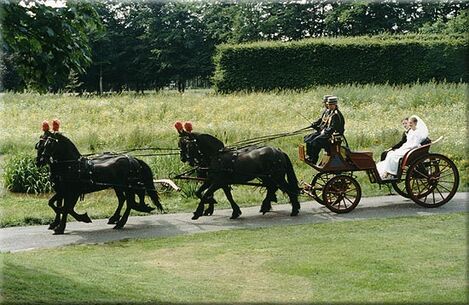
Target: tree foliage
x=47 y=43
x=149 y=44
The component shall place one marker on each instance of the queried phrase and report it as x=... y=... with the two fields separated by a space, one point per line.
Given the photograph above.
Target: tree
x=180 y=42
x=47 y=43
x=456 y=25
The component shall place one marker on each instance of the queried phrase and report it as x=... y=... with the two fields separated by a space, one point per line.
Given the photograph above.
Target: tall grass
x=113 y=123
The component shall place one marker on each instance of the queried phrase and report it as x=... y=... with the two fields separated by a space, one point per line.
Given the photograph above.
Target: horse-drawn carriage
x=428 y=179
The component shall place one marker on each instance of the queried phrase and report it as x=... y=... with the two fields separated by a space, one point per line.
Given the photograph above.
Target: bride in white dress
x=417 y=133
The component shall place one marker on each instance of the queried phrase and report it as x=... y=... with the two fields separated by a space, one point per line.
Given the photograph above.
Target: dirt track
x=36 y=237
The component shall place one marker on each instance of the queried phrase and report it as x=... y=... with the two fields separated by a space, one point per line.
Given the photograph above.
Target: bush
x=23 y=176
x=330 y=61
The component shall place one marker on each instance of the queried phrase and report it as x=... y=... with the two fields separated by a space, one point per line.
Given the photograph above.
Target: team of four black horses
x=74 y=175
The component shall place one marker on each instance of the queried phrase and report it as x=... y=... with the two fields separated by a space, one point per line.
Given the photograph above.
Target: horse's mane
x=72 y=148
x=208 y=143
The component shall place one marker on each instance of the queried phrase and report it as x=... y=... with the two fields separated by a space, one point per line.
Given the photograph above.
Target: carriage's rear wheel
x=399 y=187
x=341 y=194
x=432 y=180
x=317 y=186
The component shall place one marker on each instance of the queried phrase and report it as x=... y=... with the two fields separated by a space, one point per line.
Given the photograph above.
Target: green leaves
x=22 y=176
x=47 y=43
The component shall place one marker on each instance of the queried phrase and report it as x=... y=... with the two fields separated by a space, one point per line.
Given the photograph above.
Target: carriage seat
x=417 y=152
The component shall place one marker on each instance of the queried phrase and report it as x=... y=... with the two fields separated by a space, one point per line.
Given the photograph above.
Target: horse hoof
x=86 y=218
x=235 y=215
x=58 y=232
x=208 y=213
x=195 y=217
x=295 y=213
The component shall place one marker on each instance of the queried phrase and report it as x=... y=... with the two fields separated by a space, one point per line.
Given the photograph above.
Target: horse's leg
x=80 y=217
x=211 y=201
x=208 y=194
x=236 y=210
x=59 y=200
x=130 y=197
x=292 y=194
x=141 y=197
x=141 y=206
x=69 y=205
x=266 y=204
x=121 y=199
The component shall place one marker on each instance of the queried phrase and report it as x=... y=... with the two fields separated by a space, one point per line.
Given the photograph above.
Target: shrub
x=330 y=61
x=21 y=175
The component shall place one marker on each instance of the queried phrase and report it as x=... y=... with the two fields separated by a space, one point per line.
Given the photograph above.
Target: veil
x=421 y=128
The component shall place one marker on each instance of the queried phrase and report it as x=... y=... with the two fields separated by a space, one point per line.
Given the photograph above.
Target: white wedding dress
x=414 y=138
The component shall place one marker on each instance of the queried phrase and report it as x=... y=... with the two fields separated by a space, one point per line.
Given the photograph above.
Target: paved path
x=36 y=237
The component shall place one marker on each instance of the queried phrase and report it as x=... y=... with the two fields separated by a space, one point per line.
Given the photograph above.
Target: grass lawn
x=397 y=260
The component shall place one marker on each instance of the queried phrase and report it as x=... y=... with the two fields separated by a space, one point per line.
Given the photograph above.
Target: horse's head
x=45 y=148
x=196 y=148
x=189 y=150
x=56 y=147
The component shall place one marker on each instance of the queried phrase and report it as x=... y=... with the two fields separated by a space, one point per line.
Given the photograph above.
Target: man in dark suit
x=318 y=125
x=335 y=125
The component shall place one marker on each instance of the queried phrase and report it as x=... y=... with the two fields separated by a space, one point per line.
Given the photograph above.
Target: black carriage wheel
x=399 y=187
x=317 y=186
x=432 y=180
x=341 y=194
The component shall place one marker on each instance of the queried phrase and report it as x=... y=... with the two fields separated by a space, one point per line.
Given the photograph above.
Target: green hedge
x=330 y=61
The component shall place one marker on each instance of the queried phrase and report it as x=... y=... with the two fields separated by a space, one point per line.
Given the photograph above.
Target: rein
x=262 y=139
x=169 y=153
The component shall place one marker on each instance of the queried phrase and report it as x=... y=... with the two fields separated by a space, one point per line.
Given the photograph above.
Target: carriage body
x=429 y=179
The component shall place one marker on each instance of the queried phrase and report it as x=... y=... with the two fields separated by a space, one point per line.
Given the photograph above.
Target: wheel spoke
x=446 y=189
x=345 y=204
x=425 y=199
x=448 y=174
x=424 y=175
x=445 y=167
x=418 y=186
x=349 y=200
x=424 y=185
x=446 y=181
x=442 y=197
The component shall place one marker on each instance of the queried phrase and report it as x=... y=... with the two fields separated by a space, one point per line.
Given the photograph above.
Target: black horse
x=224 y=167
x=56 y=201
x=74 y=175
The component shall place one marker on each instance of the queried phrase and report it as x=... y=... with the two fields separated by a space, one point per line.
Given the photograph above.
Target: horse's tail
x=147 y=176
x=291 y=176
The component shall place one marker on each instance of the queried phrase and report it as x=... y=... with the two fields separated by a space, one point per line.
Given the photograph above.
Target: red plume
x=188 y=126
x=55 y=125
x=45 y=126
x=178 y=126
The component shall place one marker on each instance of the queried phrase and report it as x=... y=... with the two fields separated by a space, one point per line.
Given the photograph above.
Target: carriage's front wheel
x=432 y=180
x=341 y=194
x=317 y=186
